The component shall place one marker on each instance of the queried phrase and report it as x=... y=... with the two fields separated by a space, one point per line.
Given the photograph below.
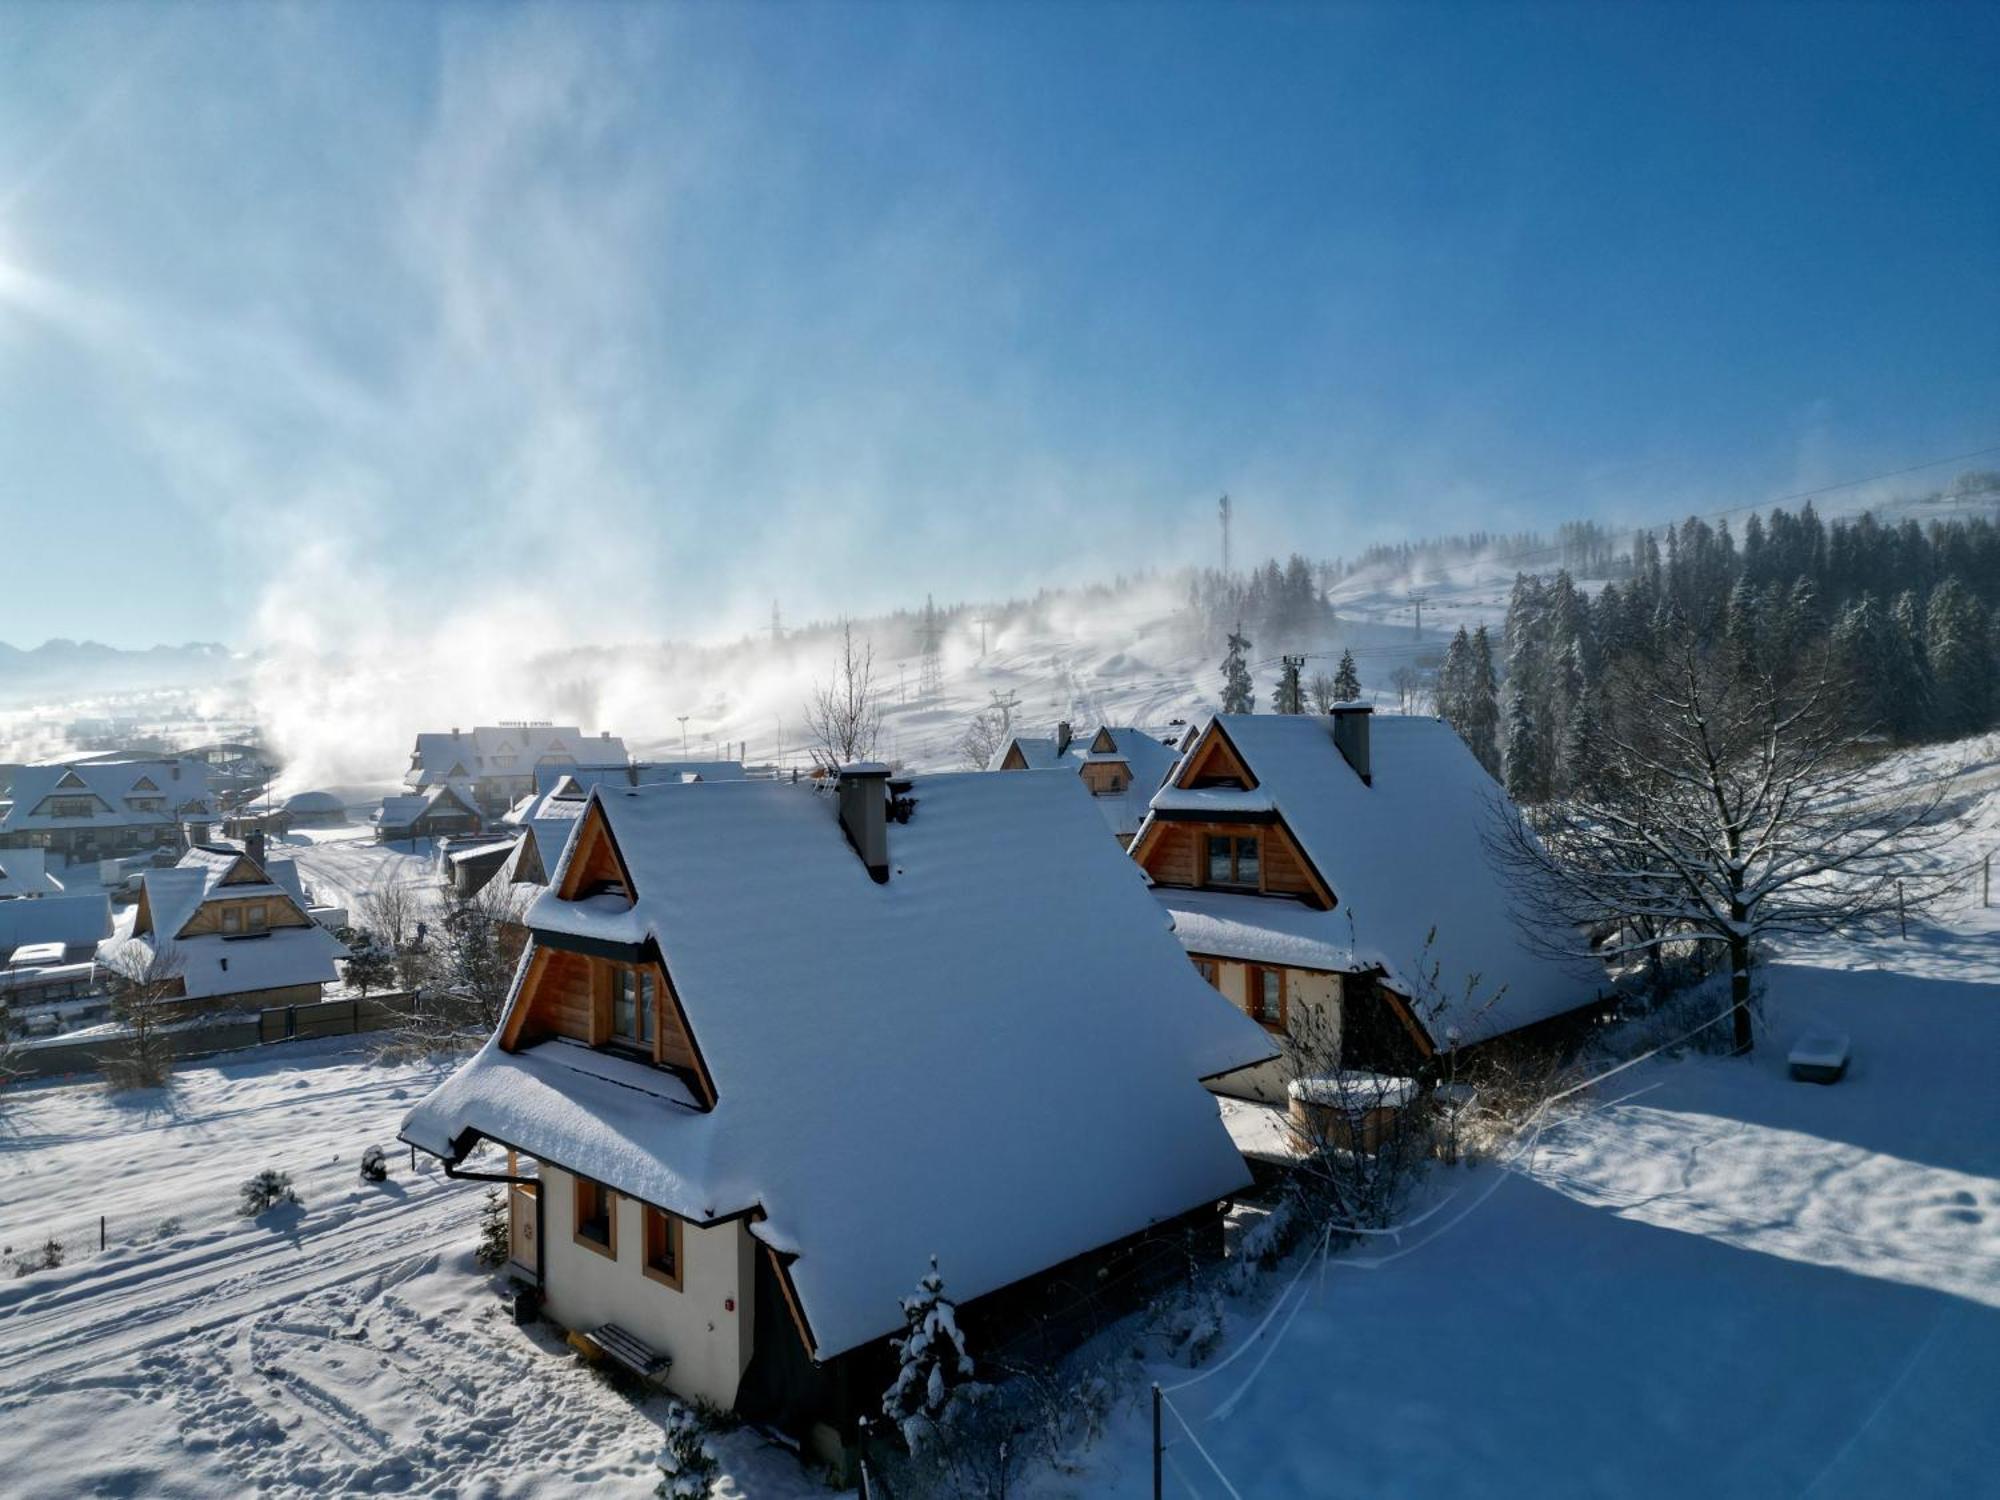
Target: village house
x=1122 y=767
x=493 y=766
x=773 y=1046
x=440 y=812
x=1331 y=876
x=228 y=929
x=95 y=810
x=48 y=949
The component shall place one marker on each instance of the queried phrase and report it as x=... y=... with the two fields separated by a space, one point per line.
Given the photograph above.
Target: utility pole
x=1420 y=600
x=1225 y=535
x=777 y=628
x=1291 y=697
x=983 y=621
x=684 y=734
x=1006 y=705
x=902 y=695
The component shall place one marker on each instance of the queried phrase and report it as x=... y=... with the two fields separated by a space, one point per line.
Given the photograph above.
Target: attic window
x=1234 y=859
x=632 y=1009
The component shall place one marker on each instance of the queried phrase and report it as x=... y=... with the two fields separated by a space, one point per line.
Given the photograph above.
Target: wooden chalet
x=226 y=929
x=750 y=1070
x=1331 y=876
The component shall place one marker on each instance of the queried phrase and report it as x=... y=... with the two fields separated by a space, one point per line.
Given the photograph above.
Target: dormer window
x=1234 y=859
x=632 y=1009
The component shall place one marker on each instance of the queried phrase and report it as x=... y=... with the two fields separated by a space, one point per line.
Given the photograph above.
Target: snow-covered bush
x=932 y=1364
x=266 y=1191
x=687 y=1464
x=1187 y=1322
x=47 y=1258
x=374 y=1165
x=495 y=1235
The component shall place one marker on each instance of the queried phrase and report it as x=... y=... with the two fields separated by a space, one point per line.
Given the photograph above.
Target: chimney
x=253 y=845
x=1063 y=736
x=1350 y=737
x=864 y=814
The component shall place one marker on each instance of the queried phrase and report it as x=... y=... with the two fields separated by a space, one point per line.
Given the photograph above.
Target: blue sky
x=315 y=315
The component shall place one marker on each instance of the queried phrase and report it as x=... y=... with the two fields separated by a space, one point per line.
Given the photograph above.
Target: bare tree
x=390 y=913
x=1722 y=804
x=983 y=739
x=845 y=714
x=470 y=972
x=1323 y=692
x=146 y=989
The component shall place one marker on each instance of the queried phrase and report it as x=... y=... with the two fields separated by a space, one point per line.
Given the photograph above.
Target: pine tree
x=931 y=1363
x=1527 y=777
x=1960 y=656
x=1482 y=726
x=495 y=1235
x=1237 y=696
x=1346 y=681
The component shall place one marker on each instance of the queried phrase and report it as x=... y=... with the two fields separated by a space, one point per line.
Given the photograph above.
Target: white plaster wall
x=1313 y=1009
x=582 y=1289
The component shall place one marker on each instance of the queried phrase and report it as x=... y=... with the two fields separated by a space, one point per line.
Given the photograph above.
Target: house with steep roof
x=93 y=810
x=437 y=812
x=225 y=929
x=547 y=818
x=493 y=766
x=1331 y=876
x=772 y=1046
x=1122 y=767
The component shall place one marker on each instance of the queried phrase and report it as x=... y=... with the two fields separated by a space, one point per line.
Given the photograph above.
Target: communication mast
x=1225 y=535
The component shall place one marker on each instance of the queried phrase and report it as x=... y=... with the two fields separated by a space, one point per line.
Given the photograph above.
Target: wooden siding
x=1175 y=854
x=278 y=912
x=1215 y=763
x=556 y=1000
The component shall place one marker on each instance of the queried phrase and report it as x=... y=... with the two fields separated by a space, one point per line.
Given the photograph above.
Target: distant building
x=221 y=927
x=494 y=765
x=437 y=813
x=93 y=810
x=1122 y=766
x=48 y=947
x=315 y=810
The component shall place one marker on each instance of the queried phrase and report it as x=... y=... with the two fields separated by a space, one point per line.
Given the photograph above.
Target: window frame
x=607 y=1247
x=1253 y=996
x=1210 y=969
x=674 y=1228
x=1236 y=841
x=645 y=1010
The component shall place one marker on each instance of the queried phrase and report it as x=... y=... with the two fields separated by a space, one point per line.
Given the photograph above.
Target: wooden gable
x=594 y=863
x=1014 y=760
x=144 y=784
x=1174 y=852
x=1103 y=744
x=1214 y=762
x=242 y=872
x=71 y=782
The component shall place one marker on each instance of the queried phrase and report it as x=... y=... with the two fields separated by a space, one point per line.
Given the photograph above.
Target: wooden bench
x=621 y=1348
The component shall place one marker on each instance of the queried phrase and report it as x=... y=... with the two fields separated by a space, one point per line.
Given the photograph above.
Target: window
x=632 y=1008
x=73 y=807
x=596 y=1223
x=1265 y=996
x=240 y=919
x=232 y=919
x=1210 y=970
x=253 y=918
x=1233 y=859
x=663 y=1247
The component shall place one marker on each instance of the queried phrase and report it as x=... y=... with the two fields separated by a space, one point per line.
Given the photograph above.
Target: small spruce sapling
x=688 y=1467
x=266 y=1191
x=495 y=1238
x=932 y=1364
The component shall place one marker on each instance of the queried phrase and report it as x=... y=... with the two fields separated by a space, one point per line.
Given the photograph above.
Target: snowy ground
x=352 y=1347
x=342 y=865
x=1706 y=1279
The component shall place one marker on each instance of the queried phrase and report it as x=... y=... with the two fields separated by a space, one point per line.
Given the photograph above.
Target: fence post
x=100 y=1232
x=1986 y=881
x=1156 y=1440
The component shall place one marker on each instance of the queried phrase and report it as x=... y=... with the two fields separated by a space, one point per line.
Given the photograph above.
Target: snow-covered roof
x=24 y=872
x=314 y=803
x=506 y=750
x=1403 y=855
x=180 y=786
x=403 y=810
x=975 y=1059
x=588 y=774
x=216 y=963
x=1148 y=759
x=74 y=919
